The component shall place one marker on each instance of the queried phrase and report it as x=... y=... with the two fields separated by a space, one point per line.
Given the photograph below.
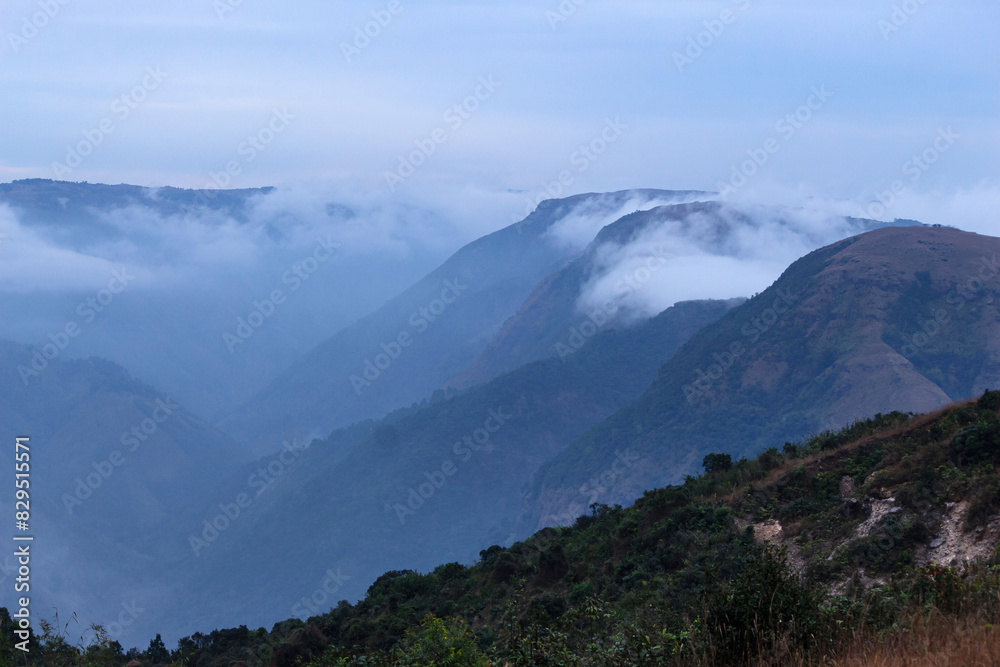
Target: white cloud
x=738 y=252
x=974 y=209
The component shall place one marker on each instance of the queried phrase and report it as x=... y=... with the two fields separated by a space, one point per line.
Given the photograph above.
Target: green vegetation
x=678 y=578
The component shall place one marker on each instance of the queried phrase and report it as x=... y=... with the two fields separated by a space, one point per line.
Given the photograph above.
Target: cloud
x=29 y=262
x=607 y=59
x=973 y=209
x=206 y=246
x=732 y=251
x=576 y=230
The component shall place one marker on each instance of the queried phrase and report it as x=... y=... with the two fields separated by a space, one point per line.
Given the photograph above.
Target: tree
x=157 y=652
x=717 y=462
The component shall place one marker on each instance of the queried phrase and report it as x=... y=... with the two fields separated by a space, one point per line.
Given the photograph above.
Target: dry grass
x=938 y=641
x=929 y=640
x=935 y=641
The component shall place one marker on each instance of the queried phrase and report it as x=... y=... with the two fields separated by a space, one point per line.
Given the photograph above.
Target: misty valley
x=562 y=333
x=498 y=441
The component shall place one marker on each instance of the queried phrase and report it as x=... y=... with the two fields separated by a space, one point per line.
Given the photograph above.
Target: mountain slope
x=115 y=466
x=645 y=261
x=410 y=346
x=439 y=481
x=838 y=550
x=895 y=319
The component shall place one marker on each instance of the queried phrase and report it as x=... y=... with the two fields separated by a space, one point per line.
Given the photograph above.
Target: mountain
x=902 y=318
x=633 y=261
x=410 y=346
x=441 y=480
x=877 y=541
x=179 y=274
x=75 y=208
x=114 y=466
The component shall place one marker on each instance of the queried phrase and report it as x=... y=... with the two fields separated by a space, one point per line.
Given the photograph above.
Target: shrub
x=984 y=504
x=763 y=602
x=976 y=443
x=990 y=400
x=440 y=643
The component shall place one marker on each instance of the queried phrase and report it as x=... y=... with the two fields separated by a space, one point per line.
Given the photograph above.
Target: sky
x=490 y=106
x=437 y=122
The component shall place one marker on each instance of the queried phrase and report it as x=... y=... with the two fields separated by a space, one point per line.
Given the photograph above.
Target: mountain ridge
x=840 y=293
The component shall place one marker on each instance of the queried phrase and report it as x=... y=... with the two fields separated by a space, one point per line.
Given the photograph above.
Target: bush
x=765 y=601
x=440 y=643
x=990 y=400
x=976 y=444
x=985 y=503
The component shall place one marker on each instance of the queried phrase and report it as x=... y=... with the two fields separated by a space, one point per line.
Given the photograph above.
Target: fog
x=168 y=288
x=737 y=252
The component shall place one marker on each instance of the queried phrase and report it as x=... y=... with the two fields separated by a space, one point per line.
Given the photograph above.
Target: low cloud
x=576 y=230
x=206 y=246
x=31 y=262
x=735 y=251
x=972 y=209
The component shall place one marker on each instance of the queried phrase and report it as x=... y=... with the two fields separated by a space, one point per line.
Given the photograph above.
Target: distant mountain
x=75 y=207
x=904 y=318
x=633 y=251
x=438 y=481
x=114 y=468
x=413 y=344
x=202 y=265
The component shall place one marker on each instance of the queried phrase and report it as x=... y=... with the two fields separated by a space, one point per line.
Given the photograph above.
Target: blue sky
x=898 y=72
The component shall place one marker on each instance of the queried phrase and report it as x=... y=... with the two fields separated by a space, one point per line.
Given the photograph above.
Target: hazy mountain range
x=596 y=349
